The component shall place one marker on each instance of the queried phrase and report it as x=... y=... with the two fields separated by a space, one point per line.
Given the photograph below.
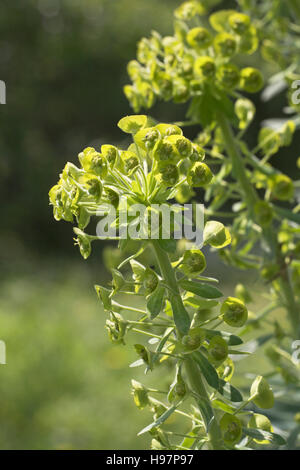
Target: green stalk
x=192 y=370
x=269 y=234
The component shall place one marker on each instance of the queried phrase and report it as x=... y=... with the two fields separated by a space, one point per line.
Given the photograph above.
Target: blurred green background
x=64 y=64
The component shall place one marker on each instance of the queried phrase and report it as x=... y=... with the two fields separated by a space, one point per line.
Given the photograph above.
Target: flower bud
x=258 y=421
x=140 y=394
x=93 y=162
x=84 y=242
x=134 y=70
x=228 y=76
x=199 y=175
x=198 y=153
x=234 y=312
x=204 y=67
x=177 y=390
x=245 y=111
x=231 y=428
x=193 y=262
x=239 y=23
x=118 y=280
x=110 y=153
x=130 y=160
x=217 y=350
x=189 y=9
x=225 y=44
x=263 y=213
x=182 y=144
x=94 y=187
x=193 y=340
x=167 y=173
x=199 y=38
x=116 y=327
x=133 y=97
x=165 y=151
x=251 y=80
x=163 y=85
x=282 y=187
x=143 y=353
x=150 y=280
x=262 y=393
x=167 y=130
x=151 y=137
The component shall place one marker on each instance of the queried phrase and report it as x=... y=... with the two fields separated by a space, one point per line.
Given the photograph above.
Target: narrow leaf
x=155 y=302
x=160 y=420
x=207 y=369
x=181 y=317
x=201 y=289
x=229 y=392
x=206 y=411
x=261 y=435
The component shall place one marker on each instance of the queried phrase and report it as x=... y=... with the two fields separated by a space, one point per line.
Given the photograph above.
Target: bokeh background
x=64 y=63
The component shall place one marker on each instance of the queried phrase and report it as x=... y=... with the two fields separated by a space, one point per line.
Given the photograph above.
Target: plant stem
x=192 y=370
x=269 y=234
x=237 y=162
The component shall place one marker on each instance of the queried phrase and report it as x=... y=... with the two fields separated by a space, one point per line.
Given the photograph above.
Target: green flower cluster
x=160 y=164
x=194 y=59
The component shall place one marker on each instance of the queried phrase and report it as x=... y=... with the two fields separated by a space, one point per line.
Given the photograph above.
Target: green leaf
x=229 y=392
x=201 y=289
x=221 y=405
x=232 y=340
x=155 y=302
x=104 y=296
x=194 y=301
x=181 y=317
x=206 y=411
x=162 y=342
x=132 y=124
x=208 y=371
x=259 y=434
x=160 y=420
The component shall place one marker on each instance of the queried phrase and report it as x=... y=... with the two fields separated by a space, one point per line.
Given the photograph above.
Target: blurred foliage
x=63 y=387
x=64 y=64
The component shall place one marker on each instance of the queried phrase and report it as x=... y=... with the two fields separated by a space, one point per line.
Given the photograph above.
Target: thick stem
x=192 y=370
x=269 y=234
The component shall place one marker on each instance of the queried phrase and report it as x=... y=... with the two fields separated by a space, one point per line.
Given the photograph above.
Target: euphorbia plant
x=180 y=300
x=183 y=314
x=201 y=64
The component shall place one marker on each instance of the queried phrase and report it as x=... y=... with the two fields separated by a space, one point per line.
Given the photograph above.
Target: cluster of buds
x=154 y=168
x=195 y=60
